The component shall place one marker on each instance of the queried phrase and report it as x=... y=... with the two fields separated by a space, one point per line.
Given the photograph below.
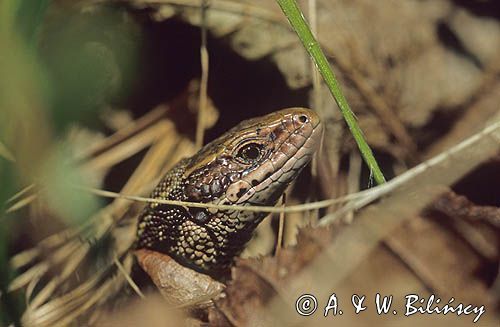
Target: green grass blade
x=299 y=24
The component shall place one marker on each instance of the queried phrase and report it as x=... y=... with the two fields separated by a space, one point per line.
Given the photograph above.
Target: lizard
x=251 y=164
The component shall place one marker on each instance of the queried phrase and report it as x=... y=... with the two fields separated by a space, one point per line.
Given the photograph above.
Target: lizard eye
x=250 y=152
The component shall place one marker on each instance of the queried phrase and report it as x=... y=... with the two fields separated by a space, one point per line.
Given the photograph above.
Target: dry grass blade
x=68 y=249
x=21 y=193
x=32 y=273
x=60 y=256
x=113 y=149
x=125 y=133
x=24 y=258
x=281 y=227
x=204 y=58
x=22 y=203
x=59 y=308
x=128 y=278
x=128 y=147
x=375 y=222
x=358 y=200
x=453 y=164
x=293 y=208
x=476 y=240
x=57 y=281
x=234 y=7
x=66 y=308
x=6 y=153
x=44 y=294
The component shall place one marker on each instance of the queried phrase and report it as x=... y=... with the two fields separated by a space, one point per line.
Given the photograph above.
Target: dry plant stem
x=22 y=203
x=381 y=108
x=480 y=109
x=475 y=239
x=377 y=221
x=413 y=262
x=113 y=149
x=125 y=133
x=295 y=208
x=459 y=160
x=130 y=146
x=473 y=151
x=296 y=19
x=351 y=247
x=21 y=193
x=315 y=75
x=486 y=139
x=317 y=103
x=281 y=227
x=228 y=6
x=77 y=300
x=458 y=206
x=353 y=178
x=129 y=279
x=200 y=127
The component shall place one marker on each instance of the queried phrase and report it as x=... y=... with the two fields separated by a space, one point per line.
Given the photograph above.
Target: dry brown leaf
x=179 y=285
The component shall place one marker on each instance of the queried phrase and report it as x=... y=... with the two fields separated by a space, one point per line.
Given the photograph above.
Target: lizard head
x=254 y=161
x=251 y=164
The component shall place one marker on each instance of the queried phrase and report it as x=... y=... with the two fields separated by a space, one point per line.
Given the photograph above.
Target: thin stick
x=295 y=208
x=317 y=102
x=21 y=193
x=200 y=127
x=128 y=278
x=22 y=203
x=315 y=74
x=362 y=198
x=281 y=226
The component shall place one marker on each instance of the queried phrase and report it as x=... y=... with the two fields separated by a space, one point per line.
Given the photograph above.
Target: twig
x=458 y=206
x=20 y=193
x=22 y=203
x=279 y=240
x=488 y=140
x=200 y=127
x=243 y=9
x=128 y=278
x=317 y=103
x=295 y=208
x=412 y=261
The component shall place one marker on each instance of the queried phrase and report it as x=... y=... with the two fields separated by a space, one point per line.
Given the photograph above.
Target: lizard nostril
x=303 y=119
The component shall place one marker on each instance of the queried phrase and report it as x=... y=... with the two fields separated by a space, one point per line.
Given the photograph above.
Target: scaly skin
x=252 y=164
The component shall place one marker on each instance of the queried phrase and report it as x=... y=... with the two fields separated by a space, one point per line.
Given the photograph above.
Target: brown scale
x=209 y=239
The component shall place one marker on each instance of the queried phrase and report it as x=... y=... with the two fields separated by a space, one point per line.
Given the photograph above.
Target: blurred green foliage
x=58 y=67
x=90 y=59
x=15 y=42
